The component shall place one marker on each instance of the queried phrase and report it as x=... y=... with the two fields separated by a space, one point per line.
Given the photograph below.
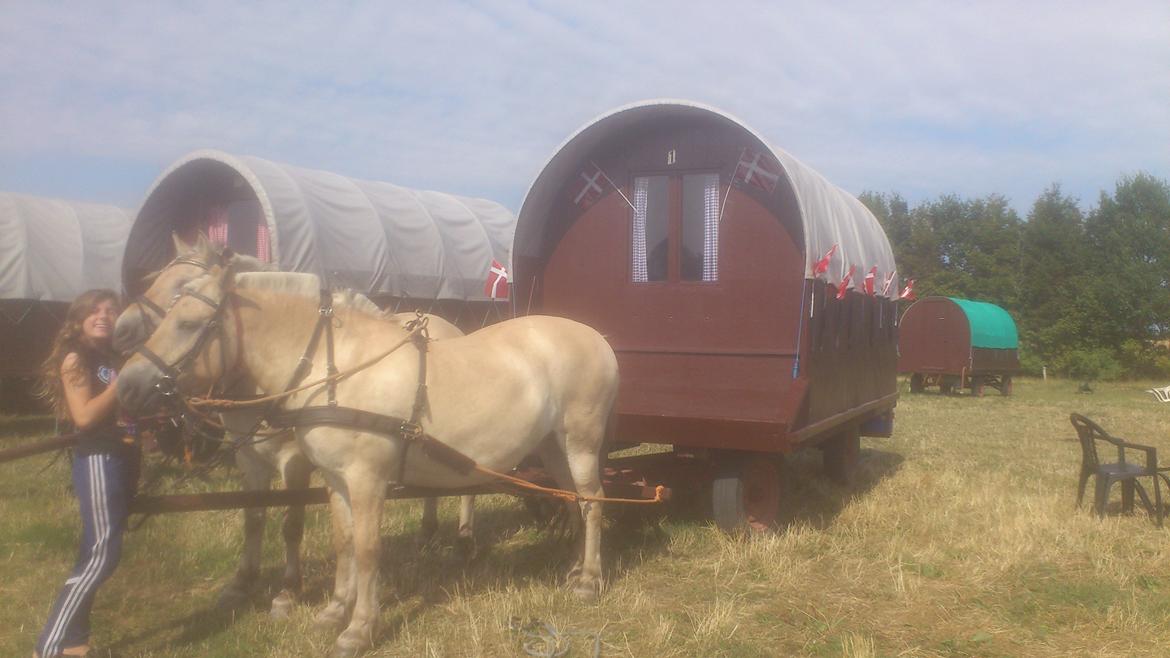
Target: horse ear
x=228 y=281
x=181 y=247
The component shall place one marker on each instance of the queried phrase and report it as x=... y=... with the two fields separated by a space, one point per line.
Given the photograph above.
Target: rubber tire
x=745 y=494
x=945 y=387
x=917 y=383
x=977 y=387
x=1005 y=386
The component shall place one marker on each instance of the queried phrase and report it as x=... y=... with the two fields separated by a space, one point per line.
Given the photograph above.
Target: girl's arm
x=85 y=408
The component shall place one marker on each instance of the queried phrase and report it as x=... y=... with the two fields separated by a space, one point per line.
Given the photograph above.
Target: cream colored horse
x=532 y=384
x=275 y=455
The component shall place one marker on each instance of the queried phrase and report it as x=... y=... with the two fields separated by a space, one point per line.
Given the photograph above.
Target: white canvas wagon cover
x=374 y=237
x=53 y=250
x=829 y=215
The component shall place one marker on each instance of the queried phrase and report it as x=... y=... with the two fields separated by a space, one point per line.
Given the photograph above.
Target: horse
x=275 y=454
x=531 y=384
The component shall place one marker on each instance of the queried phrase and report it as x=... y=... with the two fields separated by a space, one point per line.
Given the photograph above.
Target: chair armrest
x=1151 y=453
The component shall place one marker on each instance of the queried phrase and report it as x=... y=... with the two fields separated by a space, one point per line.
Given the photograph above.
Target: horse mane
x=305 y=285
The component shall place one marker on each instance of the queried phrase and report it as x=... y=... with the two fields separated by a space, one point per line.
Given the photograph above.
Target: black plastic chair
x=1123 y=471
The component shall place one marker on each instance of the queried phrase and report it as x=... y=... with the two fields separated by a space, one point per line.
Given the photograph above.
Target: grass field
x=960 y=539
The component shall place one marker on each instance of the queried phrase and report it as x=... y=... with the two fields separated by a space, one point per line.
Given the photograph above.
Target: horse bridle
x=171 y=372
x=145 y=302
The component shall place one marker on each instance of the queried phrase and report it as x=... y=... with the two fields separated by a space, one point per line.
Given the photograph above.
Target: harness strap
x=326 y=311
x=368 y=421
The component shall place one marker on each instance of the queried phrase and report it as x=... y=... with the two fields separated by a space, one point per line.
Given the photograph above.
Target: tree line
x=1090 y=291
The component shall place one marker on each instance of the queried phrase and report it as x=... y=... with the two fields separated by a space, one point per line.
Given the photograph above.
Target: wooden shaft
x=38 y=447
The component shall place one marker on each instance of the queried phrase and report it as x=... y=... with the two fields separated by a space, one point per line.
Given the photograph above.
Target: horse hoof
x=587 y=590
x=350 y=645
x=466 y=548
x=282 y=605
x=232 y=598
x=331 y=618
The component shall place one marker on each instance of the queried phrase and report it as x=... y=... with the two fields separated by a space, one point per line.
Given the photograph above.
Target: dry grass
x=960 y=540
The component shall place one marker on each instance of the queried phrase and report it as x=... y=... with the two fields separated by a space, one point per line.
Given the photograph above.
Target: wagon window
x=651 y=228
x=700 y=228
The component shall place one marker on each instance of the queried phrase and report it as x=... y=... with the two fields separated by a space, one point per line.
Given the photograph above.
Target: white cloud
x=924 y=98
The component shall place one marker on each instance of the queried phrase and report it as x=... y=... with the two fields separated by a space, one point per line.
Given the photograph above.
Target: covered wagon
x=406 y=249
x=958 y=343
x=714 y=264
x=51 y=251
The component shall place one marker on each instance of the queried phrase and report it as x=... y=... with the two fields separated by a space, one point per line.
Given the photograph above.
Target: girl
x=78 y=380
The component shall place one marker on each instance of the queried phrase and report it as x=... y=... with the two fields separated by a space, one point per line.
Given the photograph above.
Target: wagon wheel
x=917 y=383
x=977 y=386
x=746 y=493
x=840 y=454
x=1005 y=385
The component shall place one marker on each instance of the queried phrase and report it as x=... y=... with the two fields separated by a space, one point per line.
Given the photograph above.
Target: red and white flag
x=869 y=280
x=908 y=291
x=887 y=282
x=591 y=185
x=496 y=285
x=760 y=170
x=844 y=287
x=822 y=265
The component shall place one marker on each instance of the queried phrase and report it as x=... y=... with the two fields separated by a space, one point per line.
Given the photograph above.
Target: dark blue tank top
x=106 y=436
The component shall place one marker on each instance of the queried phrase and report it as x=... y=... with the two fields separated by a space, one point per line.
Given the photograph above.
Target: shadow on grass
x=810 y=498
x=512 y=549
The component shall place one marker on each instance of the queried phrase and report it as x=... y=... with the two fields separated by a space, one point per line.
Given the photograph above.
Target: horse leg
x=430 y=520
x=295 y=471
x=257 y=477
x=367 y=493
x=335 y=613
x=582 y=448
x=557 y=466
x=465 y=541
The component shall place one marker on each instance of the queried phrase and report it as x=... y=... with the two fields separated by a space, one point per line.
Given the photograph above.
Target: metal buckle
x=410 y=431
x=166 y=386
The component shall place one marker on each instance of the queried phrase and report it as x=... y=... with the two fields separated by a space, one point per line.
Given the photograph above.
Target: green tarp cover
x=991 y=326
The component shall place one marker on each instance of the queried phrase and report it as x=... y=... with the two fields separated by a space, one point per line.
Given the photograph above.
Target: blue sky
x=921 y=98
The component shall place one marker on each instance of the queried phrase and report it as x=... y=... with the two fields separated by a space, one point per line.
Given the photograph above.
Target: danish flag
x=887 y=282
x=822 y=265
x=592 y=184
x=496 y=285
x=760 y=170
x=908 y=291
x=869 y=280
x=844 y=287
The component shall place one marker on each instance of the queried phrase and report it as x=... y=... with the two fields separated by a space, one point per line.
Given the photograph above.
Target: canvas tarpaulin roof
x=991 y=326
x=375 y=237
x=829 y=215
x=54 y=250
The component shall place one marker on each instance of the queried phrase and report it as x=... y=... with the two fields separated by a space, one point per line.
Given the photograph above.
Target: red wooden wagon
x=691 y=243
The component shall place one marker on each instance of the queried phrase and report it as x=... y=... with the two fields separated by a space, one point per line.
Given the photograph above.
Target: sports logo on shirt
x=106 y=374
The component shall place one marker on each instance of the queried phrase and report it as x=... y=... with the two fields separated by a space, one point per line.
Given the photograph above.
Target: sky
x=922 y=99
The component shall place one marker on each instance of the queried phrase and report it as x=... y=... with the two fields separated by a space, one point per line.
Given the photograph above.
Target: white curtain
x=641 y=193
x=711 y=229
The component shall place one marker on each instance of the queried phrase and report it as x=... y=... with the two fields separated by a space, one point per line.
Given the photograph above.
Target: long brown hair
x=69 y=339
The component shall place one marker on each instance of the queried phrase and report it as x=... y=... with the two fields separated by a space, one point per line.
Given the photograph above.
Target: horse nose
x=135 y=390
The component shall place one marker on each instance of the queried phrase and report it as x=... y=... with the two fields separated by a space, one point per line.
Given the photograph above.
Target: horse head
x=146 y=311
x=191 y=350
